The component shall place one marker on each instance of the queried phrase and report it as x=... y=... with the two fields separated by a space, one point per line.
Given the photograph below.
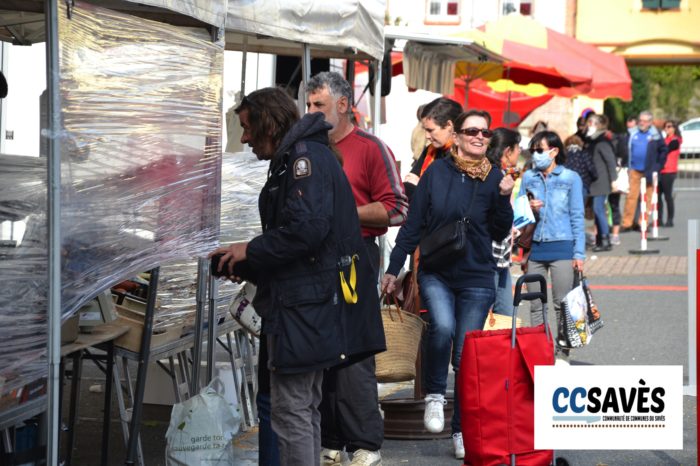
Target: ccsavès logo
x=612 y=407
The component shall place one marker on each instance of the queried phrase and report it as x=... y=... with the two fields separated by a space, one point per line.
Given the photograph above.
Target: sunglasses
x=487 y=133
x=539 y=150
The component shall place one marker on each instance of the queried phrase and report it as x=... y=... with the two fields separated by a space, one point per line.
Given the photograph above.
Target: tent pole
x=305 y=76
x=54 y=230
x=377 y=102
x=244 y=62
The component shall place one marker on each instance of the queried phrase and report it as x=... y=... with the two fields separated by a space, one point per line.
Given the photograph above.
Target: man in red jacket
x=350 y=417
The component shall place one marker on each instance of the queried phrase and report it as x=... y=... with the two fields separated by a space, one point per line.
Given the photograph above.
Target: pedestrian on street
x=457 y=294
x=311 y=241
x=503 y=152
x=668 y=174
x=558 y=243
x=603 y=156
x=647 y=154
x=437 y=119
x=350 y=416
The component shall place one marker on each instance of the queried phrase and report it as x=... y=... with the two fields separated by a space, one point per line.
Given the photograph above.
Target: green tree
x=667 y=90
x=618 y=110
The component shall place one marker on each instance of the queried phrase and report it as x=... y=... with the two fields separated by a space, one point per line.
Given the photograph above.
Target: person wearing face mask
x=437 y=118
x=457 y=294
x=603 y=156
x=558 y=243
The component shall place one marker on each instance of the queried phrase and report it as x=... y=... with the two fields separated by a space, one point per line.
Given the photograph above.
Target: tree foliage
x=667 y=90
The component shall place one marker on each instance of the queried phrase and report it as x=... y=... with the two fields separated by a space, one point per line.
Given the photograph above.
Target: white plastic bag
x=201 y=429
x=622 y=184
x=522 y=212
x=575 y=315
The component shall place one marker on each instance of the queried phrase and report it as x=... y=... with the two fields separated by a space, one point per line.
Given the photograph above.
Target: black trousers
x=350 y=416
x=666 y=195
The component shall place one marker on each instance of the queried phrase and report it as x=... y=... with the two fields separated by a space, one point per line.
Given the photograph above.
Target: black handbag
x=448 y=243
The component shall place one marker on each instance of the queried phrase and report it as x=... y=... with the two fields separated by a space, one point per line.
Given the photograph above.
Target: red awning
x=481 y=96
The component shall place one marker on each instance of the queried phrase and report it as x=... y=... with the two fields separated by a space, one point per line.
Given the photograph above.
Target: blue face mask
x=541 y=161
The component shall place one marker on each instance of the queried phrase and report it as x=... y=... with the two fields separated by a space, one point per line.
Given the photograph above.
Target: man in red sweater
x=350 y=417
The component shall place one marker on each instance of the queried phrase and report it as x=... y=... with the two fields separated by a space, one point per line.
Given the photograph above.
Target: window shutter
x=670 y=4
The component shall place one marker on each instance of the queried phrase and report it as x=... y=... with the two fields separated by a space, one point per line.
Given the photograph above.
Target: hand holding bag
x=448 y=243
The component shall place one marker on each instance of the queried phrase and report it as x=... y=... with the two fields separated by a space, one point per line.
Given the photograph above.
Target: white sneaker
x=458 y=443
x=331 y=457
x=366 y=458
x=434 y=417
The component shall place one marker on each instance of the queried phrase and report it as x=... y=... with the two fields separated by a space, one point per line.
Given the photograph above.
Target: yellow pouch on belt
x=349 y=290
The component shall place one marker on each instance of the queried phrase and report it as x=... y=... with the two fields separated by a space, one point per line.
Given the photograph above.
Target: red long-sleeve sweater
x=371 y=169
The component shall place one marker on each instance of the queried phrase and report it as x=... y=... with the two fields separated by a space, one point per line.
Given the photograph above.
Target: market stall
x=134 y=173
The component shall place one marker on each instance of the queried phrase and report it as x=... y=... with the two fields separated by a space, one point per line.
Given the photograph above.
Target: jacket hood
x=653 y=132
x=310 y=126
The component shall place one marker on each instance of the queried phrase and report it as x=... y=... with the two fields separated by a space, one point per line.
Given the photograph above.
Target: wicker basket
x=499 y=321
x=403 y=332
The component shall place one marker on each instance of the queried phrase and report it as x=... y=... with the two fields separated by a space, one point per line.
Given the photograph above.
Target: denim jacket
x=561 y=218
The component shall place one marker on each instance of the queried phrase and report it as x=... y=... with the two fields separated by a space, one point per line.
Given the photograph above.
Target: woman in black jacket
x=457 y=294
x=603 y=156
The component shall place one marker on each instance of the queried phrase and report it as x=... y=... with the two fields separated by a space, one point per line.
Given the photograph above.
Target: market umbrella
x=506 y=108
x=566 y=66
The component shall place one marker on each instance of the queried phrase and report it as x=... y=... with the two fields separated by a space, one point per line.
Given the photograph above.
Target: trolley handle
x=531 y=295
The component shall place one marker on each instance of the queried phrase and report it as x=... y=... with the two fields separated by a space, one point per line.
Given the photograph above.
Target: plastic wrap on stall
x=243 y=176
x=141 y=105
x=23 y=272
x=140 y=172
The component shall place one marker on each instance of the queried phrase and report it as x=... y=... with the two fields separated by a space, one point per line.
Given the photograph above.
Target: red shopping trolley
x=497 y=389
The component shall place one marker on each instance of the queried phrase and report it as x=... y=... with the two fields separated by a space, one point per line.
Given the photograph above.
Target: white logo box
x=581 y=427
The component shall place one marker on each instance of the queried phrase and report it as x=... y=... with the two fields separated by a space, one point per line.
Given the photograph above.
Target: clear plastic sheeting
x=243 y=177
x=141 y=127
x=23 y=271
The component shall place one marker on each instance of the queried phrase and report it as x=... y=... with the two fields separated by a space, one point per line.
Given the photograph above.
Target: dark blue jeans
x=452 y=312
x=601 y=215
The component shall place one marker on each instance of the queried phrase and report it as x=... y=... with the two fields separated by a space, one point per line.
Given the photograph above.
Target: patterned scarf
x=473 y=168
x=433 y=153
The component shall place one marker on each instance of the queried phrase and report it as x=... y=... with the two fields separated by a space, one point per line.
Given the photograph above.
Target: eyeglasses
x=539 y=150
x=487 y=133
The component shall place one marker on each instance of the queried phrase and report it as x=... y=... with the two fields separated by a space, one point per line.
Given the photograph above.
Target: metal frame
x=693 y=270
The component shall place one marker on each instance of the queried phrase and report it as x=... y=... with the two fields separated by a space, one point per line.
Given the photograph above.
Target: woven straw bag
x=403 y=332
x=499 y=321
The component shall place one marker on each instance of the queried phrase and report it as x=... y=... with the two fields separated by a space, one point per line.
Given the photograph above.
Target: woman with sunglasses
x=457 y=294
x=668 y=173
x=558 y=243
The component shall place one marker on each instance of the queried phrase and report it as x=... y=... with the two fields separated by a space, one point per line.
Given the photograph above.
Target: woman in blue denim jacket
x=558 y=243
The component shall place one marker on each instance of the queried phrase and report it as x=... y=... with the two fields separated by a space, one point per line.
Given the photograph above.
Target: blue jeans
x=452 y=312
x=601 y=215
x=503 y=303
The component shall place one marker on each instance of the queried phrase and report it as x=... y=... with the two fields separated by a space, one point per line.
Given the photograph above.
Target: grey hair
x=337 y=86
x=646 y=113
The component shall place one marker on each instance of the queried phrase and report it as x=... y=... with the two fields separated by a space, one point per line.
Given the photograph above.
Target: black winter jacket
x=443 y=196
x=310 y=230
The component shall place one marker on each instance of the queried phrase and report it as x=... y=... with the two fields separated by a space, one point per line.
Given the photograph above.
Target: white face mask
x=591 y=131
